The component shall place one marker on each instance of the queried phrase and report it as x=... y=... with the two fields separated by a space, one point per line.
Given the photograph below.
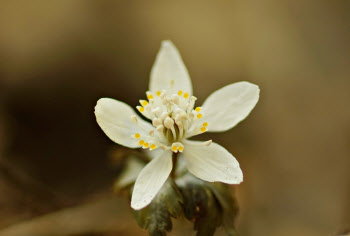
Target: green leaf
x=208 y=205
x=228 y=204
x=201 y=207
x=156 y=217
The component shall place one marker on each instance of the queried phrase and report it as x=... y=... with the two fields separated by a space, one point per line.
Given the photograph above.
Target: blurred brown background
x=57 y=58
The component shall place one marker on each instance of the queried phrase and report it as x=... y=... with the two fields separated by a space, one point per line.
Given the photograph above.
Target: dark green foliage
x=156 y=217
x=200 y=207
x=209 y=205
x=228 y=205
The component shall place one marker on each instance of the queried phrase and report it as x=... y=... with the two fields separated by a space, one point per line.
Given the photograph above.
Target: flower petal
x=114 y=118
x=151 y=154
x=226 y=107
x=169 y=72
x=151 y=179
x=212 y=163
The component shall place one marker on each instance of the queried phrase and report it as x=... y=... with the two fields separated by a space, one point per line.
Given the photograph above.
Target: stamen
x=190 y=105
x=174 y=149
x=188 y=108
x=174 y=117
x=144 y=103
x=149 y=95
x=141 y=109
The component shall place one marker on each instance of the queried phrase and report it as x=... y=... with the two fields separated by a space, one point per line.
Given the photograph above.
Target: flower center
x=174 y=118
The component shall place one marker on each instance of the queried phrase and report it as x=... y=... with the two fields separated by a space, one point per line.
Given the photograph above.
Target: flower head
x=170 y=106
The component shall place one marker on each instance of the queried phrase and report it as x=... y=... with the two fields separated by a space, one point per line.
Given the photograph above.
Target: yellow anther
x=137 y=136
x=153 y=147
x=186 y=95
x=203 y=129
x=141 y=142
x=181 y=148
x=158 y=93
x=205 y=124
x=198 y=109
x=199 y=116
x=141 y=109
x=144 y=103
x=146 y=145
x=174 y=148
x=179 y=93
x=150 y=96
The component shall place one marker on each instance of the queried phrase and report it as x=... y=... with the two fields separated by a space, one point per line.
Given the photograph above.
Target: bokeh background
x=57 y=58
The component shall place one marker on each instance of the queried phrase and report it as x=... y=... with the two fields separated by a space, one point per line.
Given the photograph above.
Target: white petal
x=153 y=153
x=169 y=72
x=226 y=107
x=151 y=179
x=212 y=163
x=114 y=118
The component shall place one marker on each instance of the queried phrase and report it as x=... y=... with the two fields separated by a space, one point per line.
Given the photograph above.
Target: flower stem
x=172 y=173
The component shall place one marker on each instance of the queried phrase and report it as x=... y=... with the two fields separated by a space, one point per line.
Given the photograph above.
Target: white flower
x=170 y=107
